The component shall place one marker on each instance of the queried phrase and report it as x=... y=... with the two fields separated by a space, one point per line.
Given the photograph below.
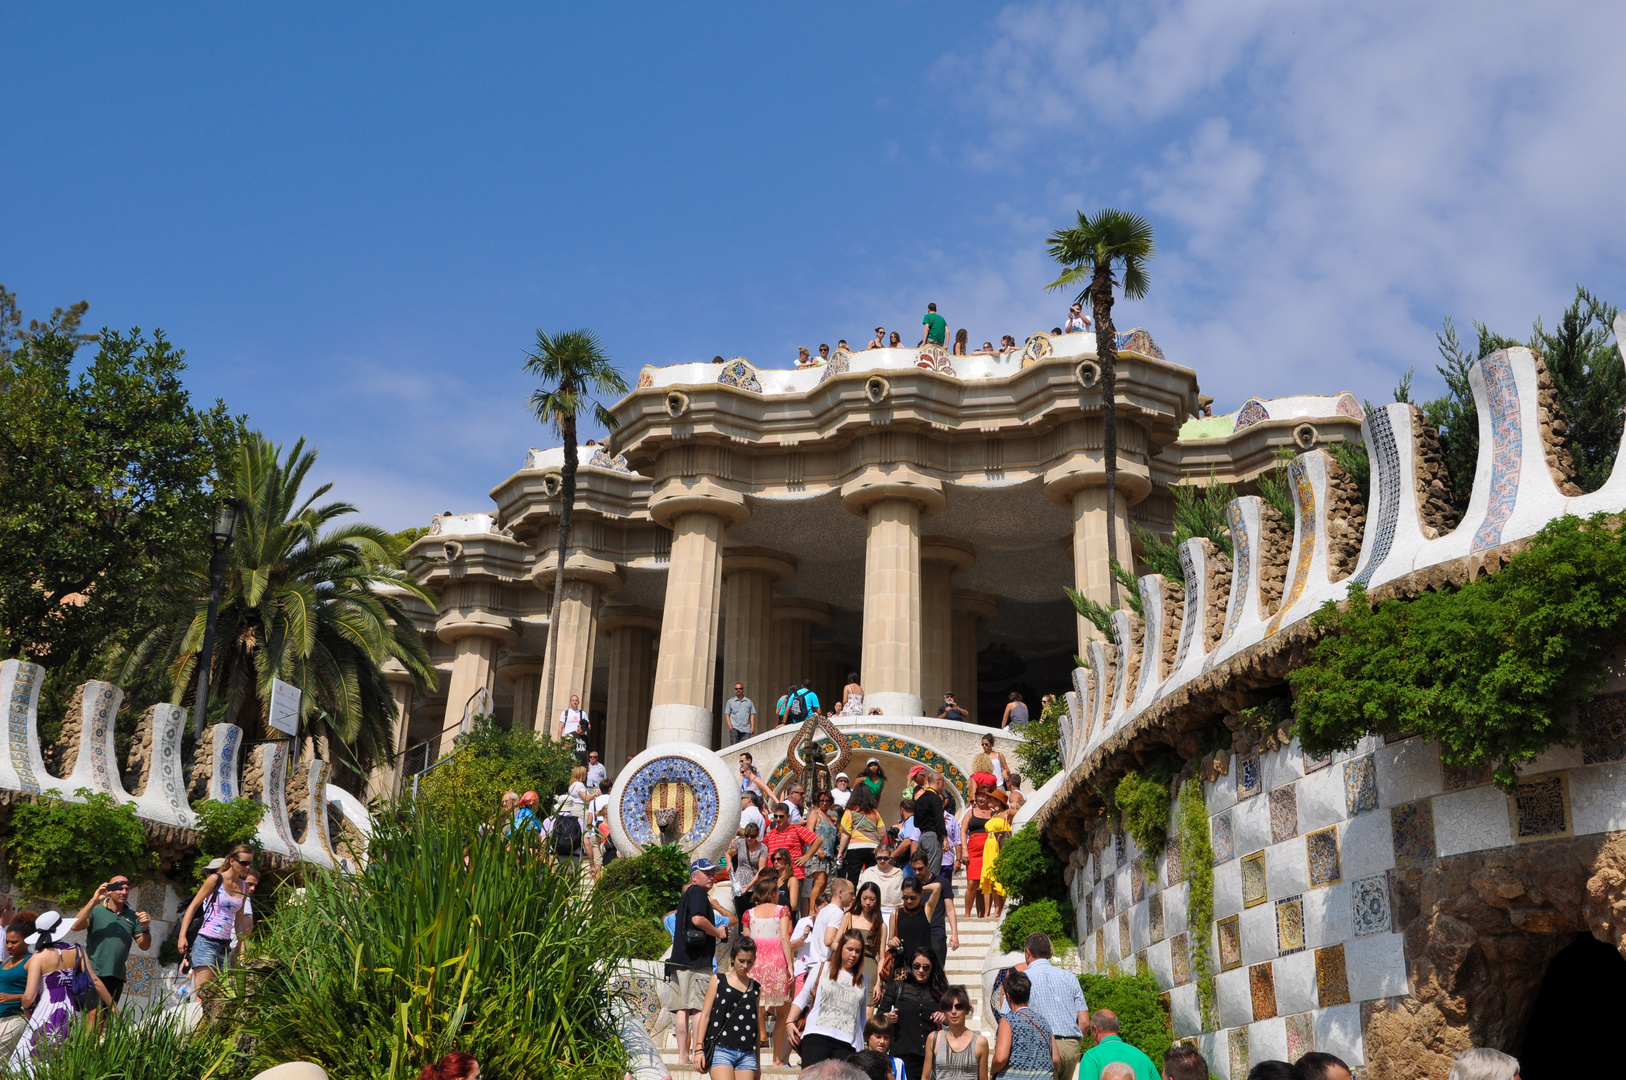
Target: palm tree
x=305 y=606
x=572 y=367
x=1091 y=251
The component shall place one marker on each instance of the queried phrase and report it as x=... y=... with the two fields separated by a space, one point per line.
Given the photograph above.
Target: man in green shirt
x=936 y=326
x=114 y=926
x=1109 y=1048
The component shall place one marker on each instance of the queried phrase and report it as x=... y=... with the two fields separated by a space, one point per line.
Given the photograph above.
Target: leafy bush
x=1142 y=1023
x=63 y=851
x=1490 y=671
x=644 y=938
x=224 y=825
x=149 y=1048
x=1144 y=803
x=1035 y=917
x=1029 y=870
x=1040 y=748
x=651 y=883
x=459 y=936
x=490 y=761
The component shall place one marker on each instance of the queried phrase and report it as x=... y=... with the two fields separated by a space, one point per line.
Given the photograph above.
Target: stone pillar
x=385 y=780
x=831 y=665
x=631 y=633
x=893 y=502
x=749 y=575
x=969 y=608
x=522 y=671
x=588 y=580
x=475 y=636
x=686 y=670
x=794 y=620
x=940 y=559
x=1091 y=569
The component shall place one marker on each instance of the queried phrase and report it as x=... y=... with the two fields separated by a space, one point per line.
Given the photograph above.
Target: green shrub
x=1036 y=917
x=1136 y=999
x=1197 y=862
x=1490 y=671
x=149 y=1048
x=224 y=825
x=63 y=851
x=1029 y=870
x=1040 y=748
x=1144 y=803
x=651 y=882
x=644 y=938
x=490 y=761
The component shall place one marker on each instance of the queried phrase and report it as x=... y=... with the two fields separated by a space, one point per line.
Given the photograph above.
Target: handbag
x=82 y=988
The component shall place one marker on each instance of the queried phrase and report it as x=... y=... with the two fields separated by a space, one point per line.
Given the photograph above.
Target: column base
x=894 y=704
x=680 y=723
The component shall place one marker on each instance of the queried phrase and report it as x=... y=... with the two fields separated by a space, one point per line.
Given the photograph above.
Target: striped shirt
x=794 y=838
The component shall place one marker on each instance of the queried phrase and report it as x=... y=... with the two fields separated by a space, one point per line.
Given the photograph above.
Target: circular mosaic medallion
x=683 y=788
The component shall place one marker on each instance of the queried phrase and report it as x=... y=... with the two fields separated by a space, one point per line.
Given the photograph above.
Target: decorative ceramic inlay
x=1300 y=1035
x=890 y=744
x=1413 y=829
x=739 y=373
x=1262 y=991
x=1541 y=808
x=1222 y=838
x=1137 y=879
x=1252 y=412
x=1230 y=942
x=1284 y=814
x=1036 y=349
x=1154 y=916
x=840 y=363
x=226 y=762
x=1331 y=976
x=1380 y=444
x=1180 y=958
x=1321 y=848
x=1460 y=778
x=96 y=736
x=657 y=783
x=1507 y=441
x=1107 y=888
x=1289 y=925
x=1254 y=889
x=1123 y=934
x=1241 y=572
x=1308 y=523
x=1174 y=869
x=1237 y=1044
x=1603 y=720
x=1139 y=341
x=1369 y=898
x=1360 y=785
x=1247 y=778
x=19 y=729
x=1193 y=610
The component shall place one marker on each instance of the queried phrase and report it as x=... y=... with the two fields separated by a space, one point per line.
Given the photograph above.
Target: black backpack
x=797 y=709
x=567 y=835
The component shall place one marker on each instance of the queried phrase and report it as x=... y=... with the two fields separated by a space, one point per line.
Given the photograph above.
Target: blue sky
x=354 y=221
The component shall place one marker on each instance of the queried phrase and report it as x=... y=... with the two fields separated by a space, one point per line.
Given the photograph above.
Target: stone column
x=385 y=780
x=940 y=559
x=588 y=580
x=475 y=637
x=893 y=502
x=749 y=575
x=969 y=608
x=631 y=633
x=794 y=620
x=685 y=672
x=1092 y=571
x=522 y=671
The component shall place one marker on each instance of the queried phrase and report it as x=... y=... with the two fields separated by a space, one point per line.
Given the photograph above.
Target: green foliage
x=1352 y=456
x=149 y=1048
x=651 y=883
x=1489 y=671
x=1030 y=871
x=407 y=537
x=1036 y=917
x=1197 y=862
x=1136 y=999
x=1276 y=487
x=224 y=825
x=63 y=851
x=490 y=761
x=1099 y=614
x=1144 y=803
x=1040 y=749
x=1199 y=511
x=459 y=935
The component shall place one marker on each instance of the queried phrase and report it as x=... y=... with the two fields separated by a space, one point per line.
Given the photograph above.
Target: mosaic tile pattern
x=1369 y=899
x=1230 y=942
x=1137 y=879
x=1300 y=1035
x=1284 y=814
x=1307 y=523
x=1331 y=976
x=1541 y=808
x=1262 y=991
x=1360 y=785
x=1123 y=934
x=1380 y=444
x=739 y=373
x=1238 y=1048
x=1289 y=925
x=1321 y=848
x=1138 y=340
x=1413 y=829
x=1603 y=720
x=1241 y=578
x=1154 y=916
x=1247 y=778
x=1210 y=1012
x=1101 y=945
x=840 y=363
x=1180 y=958
x=1252 y=412
x=1222 y=838
x=1253 y=879
x=1462 y=777
x=1194 y=597
x=1502 y=393
x=1175 y=870
x=640 y=793
x=1107 y=899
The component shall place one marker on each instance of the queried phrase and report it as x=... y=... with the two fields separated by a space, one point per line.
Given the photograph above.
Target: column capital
x=960 y=555
x=798 y=609
x=462 y=624
x=1085 y=469
x=698 y=495
x=396 y=672
x=619 y=616
x=579 y=567
x=778 y=563
x=982 y=605
x=512 y=667
x=880 y=484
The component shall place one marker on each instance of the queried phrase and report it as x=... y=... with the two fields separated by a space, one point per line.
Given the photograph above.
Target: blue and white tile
x=1338 y=1032
x=1287 y=868
x=1327 y=917
x=1408 y=771
x=1235 y=998
x=1366 y=846
x=1471 y=820
x=1295 y=983
x=1227 y=889
x=1376 y=966
x=1258 y=925
x=1595 y=802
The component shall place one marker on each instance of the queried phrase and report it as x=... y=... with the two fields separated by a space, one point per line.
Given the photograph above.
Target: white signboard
x=284 y=707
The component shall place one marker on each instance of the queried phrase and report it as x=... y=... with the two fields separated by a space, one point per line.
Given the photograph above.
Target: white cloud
x=1327 y=179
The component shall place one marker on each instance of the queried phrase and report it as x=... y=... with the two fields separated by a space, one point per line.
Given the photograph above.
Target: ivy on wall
x=1144 y=803
x=1197 y=861
x=1490 y=671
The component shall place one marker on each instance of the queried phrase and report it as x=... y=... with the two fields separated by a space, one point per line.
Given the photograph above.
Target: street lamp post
x=221 y=532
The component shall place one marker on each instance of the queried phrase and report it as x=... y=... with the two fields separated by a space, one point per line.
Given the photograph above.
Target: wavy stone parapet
x=1520 y=485
x=162 y=799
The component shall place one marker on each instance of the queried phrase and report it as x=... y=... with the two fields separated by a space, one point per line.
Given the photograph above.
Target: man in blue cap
x=694 y=948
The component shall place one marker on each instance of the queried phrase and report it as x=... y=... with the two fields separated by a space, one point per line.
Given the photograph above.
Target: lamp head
x=226 y=518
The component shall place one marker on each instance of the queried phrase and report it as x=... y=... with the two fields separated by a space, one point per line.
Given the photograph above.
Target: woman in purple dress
x=48 y=997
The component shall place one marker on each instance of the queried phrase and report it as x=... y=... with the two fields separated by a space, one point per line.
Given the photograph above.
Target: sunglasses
x=118 y=886
x=920 y=967
x=244 y=862
x=959 y=1007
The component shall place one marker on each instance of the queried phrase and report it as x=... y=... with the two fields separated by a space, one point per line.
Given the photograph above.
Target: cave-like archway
x=1571 y=1030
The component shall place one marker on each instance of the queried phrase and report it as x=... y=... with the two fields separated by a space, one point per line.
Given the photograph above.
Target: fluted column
x=1092 y=571
x=749 y=575
x=385 y=780
x=698 y=514
x=631 y=634
x=892 y=501
x=475 y=636
x=522 y=671
x=794 y=620
x=940 y=559
x=588 y=580
x=969 y=609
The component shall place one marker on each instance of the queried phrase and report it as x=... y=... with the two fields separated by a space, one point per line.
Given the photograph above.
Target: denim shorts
x=738 y=1060
x=208 y=952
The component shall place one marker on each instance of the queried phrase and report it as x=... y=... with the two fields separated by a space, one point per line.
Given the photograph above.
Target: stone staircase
x=977 y=939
